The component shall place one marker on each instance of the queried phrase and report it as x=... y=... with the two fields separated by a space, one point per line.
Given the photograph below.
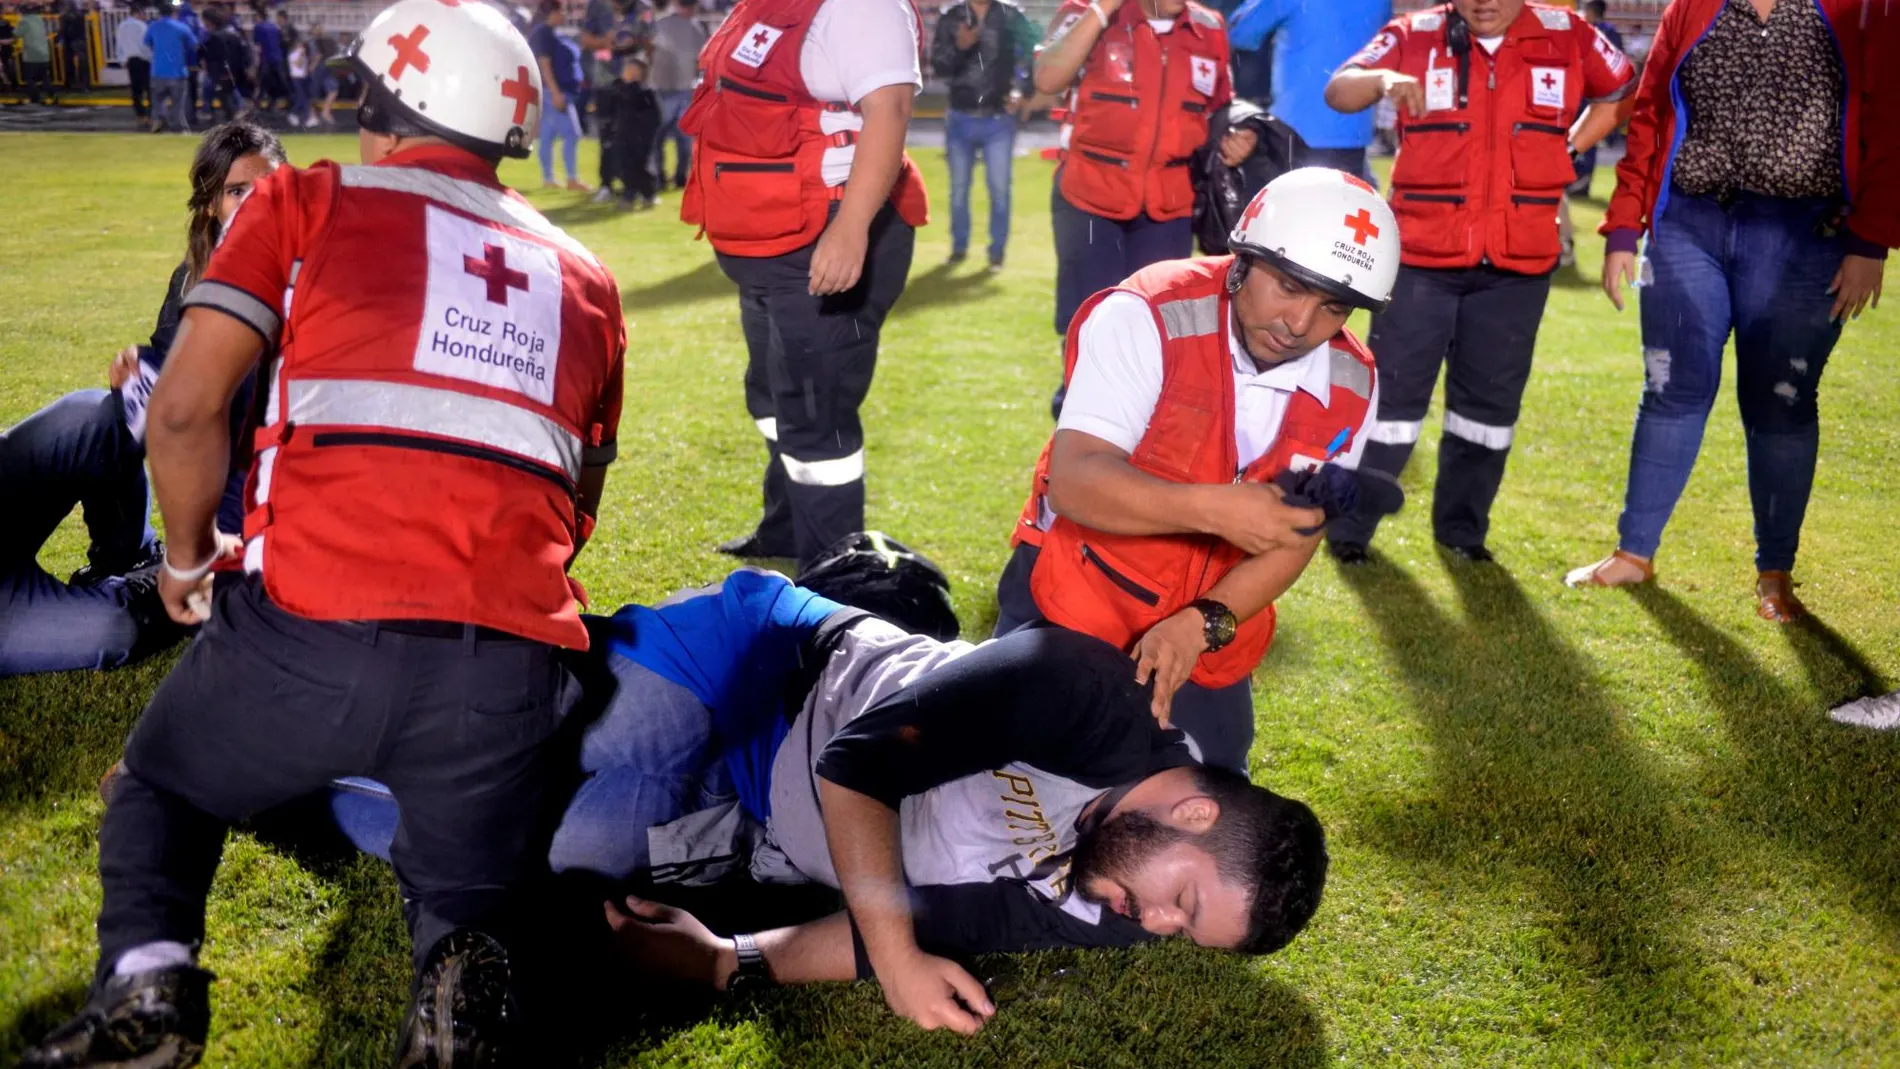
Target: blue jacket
x=172 y=44
x=1311 y=38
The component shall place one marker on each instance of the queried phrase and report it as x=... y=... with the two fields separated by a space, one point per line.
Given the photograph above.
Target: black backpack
x=872 y=571
x=1221 y=192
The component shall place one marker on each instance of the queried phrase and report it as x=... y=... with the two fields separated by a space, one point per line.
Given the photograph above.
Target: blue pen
x=1339 y=442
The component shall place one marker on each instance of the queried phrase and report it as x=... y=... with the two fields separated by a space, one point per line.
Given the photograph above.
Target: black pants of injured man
x=267 y=706
x=809 y=367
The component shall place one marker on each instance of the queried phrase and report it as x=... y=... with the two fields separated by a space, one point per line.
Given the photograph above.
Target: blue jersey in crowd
x=270 y=42
x=562 y=54
x=1311 y=38
x=172 y=44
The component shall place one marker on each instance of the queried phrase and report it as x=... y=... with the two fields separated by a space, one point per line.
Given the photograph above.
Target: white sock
x=159 y=955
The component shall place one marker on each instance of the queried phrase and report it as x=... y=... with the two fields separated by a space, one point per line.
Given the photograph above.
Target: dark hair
x=221 y=147
x=1274 y=845
x=549 y=7
x=1596 y=8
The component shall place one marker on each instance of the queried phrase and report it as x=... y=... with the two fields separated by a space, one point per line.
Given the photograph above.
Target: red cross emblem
x=522 y=92
x=1362 y=226
x=1254 y=208
x=759 y=39
x=409 y=52
x=493 y=269
x=1550 y=81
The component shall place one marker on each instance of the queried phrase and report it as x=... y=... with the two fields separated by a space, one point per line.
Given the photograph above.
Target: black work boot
x=147 y=1020
x=462 y=1013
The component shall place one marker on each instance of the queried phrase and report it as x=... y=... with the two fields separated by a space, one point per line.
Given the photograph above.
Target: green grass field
x=1568 y=828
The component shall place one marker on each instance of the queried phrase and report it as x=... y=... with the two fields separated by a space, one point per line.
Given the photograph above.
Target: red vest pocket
x=1432 y=224
x=1530 y=230
x=754 y=200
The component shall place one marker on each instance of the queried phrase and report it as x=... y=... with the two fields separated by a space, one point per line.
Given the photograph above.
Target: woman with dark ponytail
x=87 y=448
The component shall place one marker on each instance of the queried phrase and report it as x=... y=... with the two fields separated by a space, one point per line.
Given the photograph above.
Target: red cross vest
x=1140 y=111
x=757 y=185
x=448 y=362
x=1480 y=176
x=1116 y=587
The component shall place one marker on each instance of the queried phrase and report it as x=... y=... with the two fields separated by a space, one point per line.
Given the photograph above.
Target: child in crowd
x=630 y=120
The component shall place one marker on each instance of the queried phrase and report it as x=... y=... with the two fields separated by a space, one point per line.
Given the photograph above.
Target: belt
x=444 y=629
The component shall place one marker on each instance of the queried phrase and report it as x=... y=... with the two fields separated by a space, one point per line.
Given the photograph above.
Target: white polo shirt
x=1117 y=383
x=854 y=48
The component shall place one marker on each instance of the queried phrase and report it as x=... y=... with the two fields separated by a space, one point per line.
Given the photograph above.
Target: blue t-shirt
x=172 y=44
x=270 y=42
x=562 y=54
x=1311 y=38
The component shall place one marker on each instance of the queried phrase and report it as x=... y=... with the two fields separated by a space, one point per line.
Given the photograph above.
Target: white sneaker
x=1880 y=713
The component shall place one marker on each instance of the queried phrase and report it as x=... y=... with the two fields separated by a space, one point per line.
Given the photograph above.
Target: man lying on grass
x=1016 y=795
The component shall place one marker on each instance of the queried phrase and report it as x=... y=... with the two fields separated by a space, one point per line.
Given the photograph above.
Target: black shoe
x=996 y=264
x=1475 y=554
x=462 y=1015
x=957 y=256
x=100 y=570
x=156 y=628
x=752 y=547
x=1349 y=552
x=153 y=1020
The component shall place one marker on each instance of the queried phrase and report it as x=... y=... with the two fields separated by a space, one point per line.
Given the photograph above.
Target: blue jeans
x=76 y=450
x=564 y=124
x=672 y=105
x=648 y=760
x=995 y=135
x=1094 y=252
x=1756 y=267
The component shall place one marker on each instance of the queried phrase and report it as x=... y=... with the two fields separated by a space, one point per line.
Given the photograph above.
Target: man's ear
x=1194 y=814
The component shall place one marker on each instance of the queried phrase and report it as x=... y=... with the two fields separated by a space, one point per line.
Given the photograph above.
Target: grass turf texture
x=1567 y=827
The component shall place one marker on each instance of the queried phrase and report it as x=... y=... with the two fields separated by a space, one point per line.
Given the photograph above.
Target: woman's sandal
x=1775 y=600
x=1592 y=574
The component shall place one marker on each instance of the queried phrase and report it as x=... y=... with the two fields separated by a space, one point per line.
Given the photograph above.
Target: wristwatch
x=752 y=973
x=1220 y=622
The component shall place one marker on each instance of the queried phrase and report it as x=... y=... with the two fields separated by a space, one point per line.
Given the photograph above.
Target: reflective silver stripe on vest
x=483 y=202
x=1190 y=318
x=444 y=413
x=1351 y=374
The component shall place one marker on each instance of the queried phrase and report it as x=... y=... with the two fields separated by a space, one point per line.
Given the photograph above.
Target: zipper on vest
x=1433 y=198
x=1538 y=127
x=1115 y=98
x=1191 y=106
x=1437 y=127
x=1102 y=157
x=751 y=168
x=746 y=90
x=328 y=439
x=1519 y=198
x=1155 y=148
x=1129 y=586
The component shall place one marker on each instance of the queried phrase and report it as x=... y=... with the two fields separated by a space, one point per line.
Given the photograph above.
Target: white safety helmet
x=1326 y=228
x=454 y=69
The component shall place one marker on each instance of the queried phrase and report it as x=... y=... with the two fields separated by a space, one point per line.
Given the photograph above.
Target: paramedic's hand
x=933 y=993
x=671 y=943
x=1405 y=93
x=1237 y=144
x=838 y=261
x=967 y=35
x=1166 y=654
x=1619 y=268
x=123 y=367
x=1256 y=518
x=1855 y=285
x=190 y=603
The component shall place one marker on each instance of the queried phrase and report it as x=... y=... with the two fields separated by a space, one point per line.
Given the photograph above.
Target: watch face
x=1222 y=628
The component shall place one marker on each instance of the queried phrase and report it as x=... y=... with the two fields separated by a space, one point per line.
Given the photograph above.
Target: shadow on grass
x=1822 y=787
x=37 y=1018
x=938 y=286
x=703 y=283
x=1535 y=781
x=60 y=732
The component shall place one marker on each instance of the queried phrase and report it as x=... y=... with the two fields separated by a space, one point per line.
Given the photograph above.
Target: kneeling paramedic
x=1154 y=522
x=440 y=409
x=800 y=182
x=1017 y=795
x=1483 y=90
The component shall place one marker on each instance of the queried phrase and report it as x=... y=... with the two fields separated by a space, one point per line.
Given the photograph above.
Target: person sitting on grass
x=1016 y=795
x=87 y=448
